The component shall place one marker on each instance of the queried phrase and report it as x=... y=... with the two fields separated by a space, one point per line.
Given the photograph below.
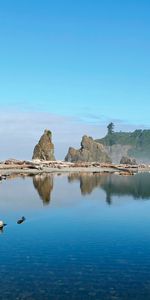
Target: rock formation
x=117 y=151
x=128 y=160
x=90 y=151
x=133 y=144
x=44 y=150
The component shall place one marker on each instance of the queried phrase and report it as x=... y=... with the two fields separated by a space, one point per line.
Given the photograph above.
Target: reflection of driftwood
x=21 y=167
x=44 y=185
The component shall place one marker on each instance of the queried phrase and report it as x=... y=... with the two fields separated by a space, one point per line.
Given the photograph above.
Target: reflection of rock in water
x=1 y=230
x=44 y=185
x=88 y=181
x=138 y=186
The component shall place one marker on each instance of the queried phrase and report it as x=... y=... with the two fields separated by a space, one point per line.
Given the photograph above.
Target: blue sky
x=86 y=61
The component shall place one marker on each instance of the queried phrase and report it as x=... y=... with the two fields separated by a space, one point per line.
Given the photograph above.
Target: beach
x=13 y=167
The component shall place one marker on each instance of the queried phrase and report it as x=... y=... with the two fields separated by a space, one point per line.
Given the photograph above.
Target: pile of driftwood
x=24 y=167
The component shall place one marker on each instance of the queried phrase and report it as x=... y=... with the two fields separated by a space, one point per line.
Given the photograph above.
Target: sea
x=85 y=236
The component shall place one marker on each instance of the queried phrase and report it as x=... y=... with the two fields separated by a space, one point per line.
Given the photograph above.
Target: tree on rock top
x=110 y=128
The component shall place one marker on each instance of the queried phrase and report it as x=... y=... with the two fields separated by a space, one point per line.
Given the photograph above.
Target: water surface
x=85 y=237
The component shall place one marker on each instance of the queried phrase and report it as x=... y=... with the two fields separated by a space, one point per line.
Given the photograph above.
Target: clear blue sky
x=78 y=58
x=86 y=60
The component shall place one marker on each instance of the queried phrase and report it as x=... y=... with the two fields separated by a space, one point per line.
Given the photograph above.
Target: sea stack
x=44 y=150
x=128 y=160
x=90 y=151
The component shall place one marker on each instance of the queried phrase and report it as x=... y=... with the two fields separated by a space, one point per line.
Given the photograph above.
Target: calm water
x=85 y=237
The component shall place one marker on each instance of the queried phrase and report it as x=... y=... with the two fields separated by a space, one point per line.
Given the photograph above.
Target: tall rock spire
x=45 y=148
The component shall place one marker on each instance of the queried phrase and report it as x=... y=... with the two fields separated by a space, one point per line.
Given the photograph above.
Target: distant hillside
x=135 y=144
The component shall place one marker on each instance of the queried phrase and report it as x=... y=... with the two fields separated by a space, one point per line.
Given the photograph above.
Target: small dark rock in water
x=21 y=220
x=2 y=224
x=2 y=228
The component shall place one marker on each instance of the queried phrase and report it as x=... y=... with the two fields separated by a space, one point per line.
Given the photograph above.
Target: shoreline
x=15 y=167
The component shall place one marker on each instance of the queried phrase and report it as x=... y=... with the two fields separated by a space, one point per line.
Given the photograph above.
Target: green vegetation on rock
x=138 y=140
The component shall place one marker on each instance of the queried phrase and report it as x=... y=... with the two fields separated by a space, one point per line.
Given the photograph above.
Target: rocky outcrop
x=90 y=151
x=116 y=152
x=44 y=150
x=128 y=160
x=133 y=144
